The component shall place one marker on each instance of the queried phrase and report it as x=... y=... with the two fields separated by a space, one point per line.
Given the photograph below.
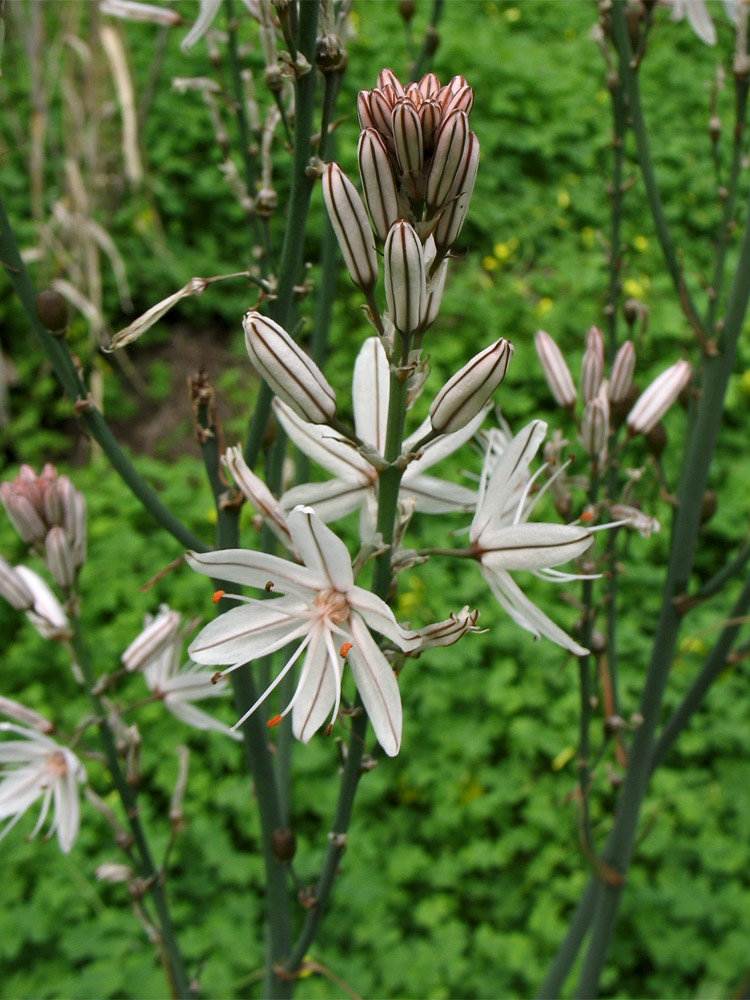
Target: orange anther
x=216 y=677
x=586 y=516
x=217 y=596
x=345 y=649
x=269 y=587
x=274 y=721
x=328 y=728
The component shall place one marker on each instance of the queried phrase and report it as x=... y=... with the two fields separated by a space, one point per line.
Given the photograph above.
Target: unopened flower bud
x=47 y=616
x=59 y=557
x=73 y=518
x=152 y=641
x=405 y=288
x=460 y=100
x=451 y=221
x=447 y=159
x=293 y=376
x=259 y=495
x=387 y=78
x=283 y=844
x=555 y=370
x=592 y=367
x=595 y=427
x=406 y=9
x=428 y=86
x=464 y=395
x=52 y=310
x=22 y=515
x=349 y=220
x=13 y=589
x=622 y=373
x=430 y=115
x=330 y=54
x=407 y=135
x=378 y=182
x=654 y=402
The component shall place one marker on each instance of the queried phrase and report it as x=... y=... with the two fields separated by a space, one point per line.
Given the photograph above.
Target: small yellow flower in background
x=543 y=306
x=745 y=382
x=512 y=14
x=635 y=289
x=588 y=237
x=565 y=755
x=502 y=251
x=411 y=600
x=211 y=515
x=490 y=263
x=563 y=198
x=692 y=644
x=601 y=96
x=640 y=243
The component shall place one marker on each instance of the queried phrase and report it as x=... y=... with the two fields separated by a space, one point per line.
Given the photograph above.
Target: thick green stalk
x=57 y=353
x=290 y=264
x=568 y=950
x=179 y=980
x=255 y=734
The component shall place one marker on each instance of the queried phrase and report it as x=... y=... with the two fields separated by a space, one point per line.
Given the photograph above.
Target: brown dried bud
x=406 y=9
x=283 y=844
x=708 y=507
x=52 y=310
x=330 y=54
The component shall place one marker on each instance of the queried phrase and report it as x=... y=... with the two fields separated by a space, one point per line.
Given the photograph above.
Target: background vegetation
x=463 y=861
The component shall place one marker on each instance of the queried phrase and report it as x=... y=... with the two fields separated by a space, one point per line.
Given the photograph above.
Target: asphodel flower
x=33 y=767
x=503 y=541
x=325 y=615
x=356 y=479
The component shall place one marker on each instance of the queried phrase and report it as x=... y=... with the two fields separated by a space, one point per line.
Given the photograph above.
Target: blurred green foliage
x=463 y=864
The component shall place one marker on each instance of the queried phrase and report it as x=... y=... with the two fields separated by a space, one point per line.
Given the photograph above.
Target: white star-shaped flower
x=323 y=612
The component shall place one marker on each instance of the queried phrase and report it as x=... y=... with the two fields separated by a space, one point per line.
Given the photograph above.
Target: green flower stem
x=57 y=353
x=179 y=982
x=629 y=78
x=727 y=222
x=715 y=663
x=255 y=734
x=387 y=507
x=568 y=950
x=290 y=264
x=429 y=43
x=619 y=125
x=331 y=88
x=697 y=458
x=717 y=582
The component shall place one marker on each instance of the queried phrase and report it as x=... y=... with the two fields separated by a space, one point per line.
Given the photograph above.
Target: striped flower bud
x=622 y=373
x=428 y=86
x=407 y=134
x=378 y=182
x=293 y=376
x=259 y=495
x=592 y=368
x=434 y=297
x=654 y=402
x=555 y=370
x=152 y=641
x=59 y=557
x=23 y=515
x=13 y=589
x=461 y=100
x=447 y=159
x=73 y=518
x=451 y=221
x=464 y=395
x=387 y=78
x=349 y=220
x=47 y=616
x=595 y=427
x=405 y=288
x=364 y=115
x=430 y=115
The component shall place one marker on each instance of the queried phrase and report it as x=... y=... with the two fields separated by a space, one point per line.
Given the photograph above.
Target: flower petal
x=371 y=391
x=330 y=500
x=253 y=629
x=437 y=496
x=377 y=686
x=316 y=691
x=442 y=446
x=533 y=546
x=381 y=619
x=256 y=569
x=524 y=612
x=325 y=446
x=510 y=469
x=322 y=551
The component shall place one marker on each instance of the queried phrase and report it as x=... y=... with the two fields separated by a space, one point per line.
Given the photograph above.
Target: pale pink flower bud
x=592 y=367
x=451 y=221
x=23 y=515
x=555 y=370
x=595 y=427
x=447 y=159
x=464 y=395
x=414 y=94
x=378 y=182
x=59 y=556
x=429 y=85
x=131 y=10
x=73 y=507
x=447 y=632
x=152 y=641
x=407 y=134
x=654 y=402
x=293 y=376
x=622 y=373
x=387 y=78
x=380 y=112
x=595 y=341
x=47 y=616
x=405 y=288
x=456 y=83
x=259 y=495
x=349 y=220
x=461 y=100
x=430 y=115
x=13 y=589
x=364 y=115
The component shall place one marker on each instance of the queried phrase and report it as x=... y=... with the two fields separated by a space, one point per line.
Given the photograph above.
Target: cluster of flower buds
x=613 y=401
x=418 y=163
x=50 y=516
